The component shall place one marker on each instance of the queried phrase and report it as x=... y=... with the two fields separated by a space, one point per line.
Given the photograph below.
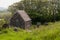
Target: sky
x=6 y=3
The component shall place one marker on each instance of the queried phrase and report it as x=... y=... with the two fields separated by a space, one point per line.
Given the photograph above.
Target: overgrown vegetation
x=39 y=11
x=49 y=32
x=44 y=32
x=5 y=16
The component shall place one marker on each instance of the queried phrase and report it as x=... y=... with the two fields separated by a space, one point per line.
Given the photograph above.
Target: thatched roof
x=24 y=15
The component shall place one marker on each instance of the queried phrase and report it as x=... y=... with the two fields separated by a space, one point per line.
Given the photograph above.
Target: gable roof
x=24 y=15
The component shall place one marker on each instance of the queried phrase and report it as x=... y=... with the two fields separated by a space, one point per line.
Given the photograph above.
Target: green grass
x=49 y=32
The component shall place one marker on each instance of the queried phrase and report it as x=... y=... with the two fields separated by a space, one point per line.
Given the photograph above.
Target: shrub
x=2 y=21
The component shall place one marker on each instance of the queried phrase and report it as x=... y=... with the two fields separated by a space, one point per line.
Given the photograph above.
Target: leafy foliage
x=39 y=10
x=2 y=21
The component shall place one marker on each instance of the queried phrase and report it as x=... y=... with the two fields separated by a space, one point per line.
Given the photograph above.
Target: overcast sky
x=6 y=3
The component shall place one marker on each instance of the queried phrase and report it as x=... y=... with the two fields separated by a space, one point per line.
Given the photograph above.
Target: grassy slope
x=50 y=32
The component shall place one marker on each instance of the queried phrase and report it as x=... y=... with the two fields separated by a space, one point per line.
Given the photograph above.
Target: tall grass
x=49 y=32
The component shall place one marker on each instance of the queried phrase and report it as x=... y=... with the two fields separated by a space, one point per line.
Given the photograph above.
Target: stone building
x=20 y=19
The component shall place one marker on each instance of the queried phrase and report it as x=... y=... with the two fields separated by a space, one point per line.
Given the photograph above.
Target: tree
x=38 y=10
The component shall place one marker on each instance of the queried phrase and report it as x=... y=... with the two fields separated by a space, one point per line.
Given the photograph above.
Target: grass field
x=49 y=32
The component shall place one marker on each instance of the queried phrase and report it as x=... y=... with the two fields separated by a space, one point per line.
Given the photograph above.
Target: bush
x=2 y=21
